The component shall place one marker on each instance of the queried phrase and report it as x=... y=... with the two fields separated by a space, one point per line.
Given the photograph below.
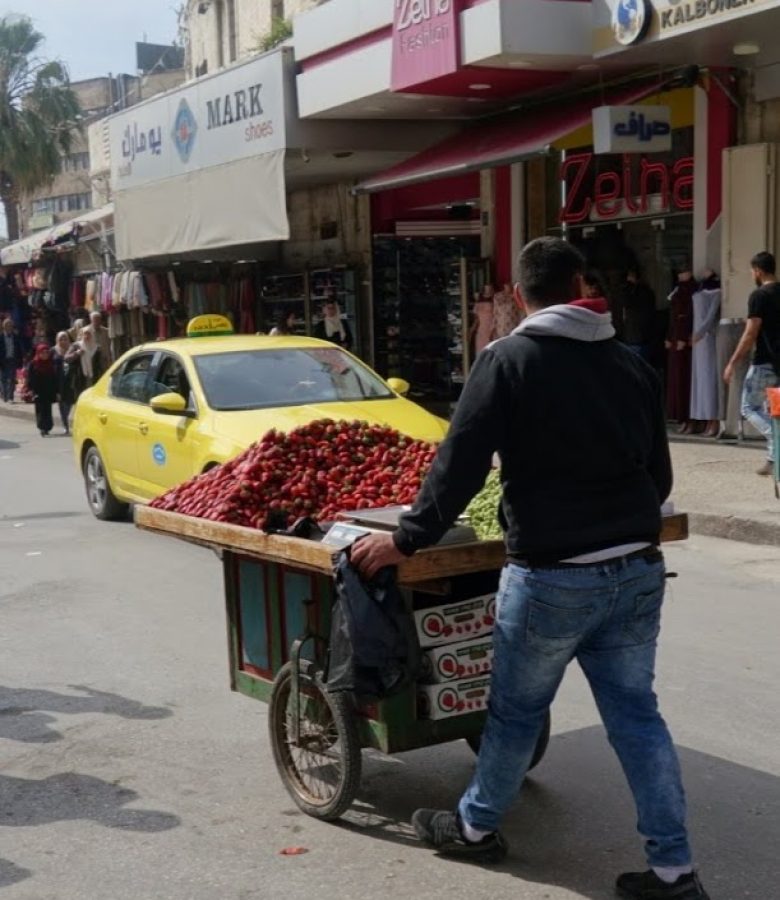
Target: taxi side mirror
x=170 y=405
x=399 y=386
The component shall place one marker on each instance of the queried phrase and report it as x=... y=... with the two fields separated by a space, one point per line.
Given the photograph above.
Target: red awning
x=499 y=142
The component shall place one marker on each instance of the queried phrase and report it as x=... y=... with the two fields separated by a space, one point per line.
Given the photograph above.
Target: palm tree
x=38 y=114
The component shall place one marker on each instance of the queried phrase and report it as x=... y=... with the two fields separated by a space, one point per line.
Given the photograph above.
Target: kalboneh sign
x=619 y=24
x=234 y=115
x=632 y=129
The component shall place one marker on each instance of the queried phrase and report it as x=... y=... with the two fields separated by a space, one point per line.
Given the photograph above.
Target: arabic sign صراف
x=632 y=129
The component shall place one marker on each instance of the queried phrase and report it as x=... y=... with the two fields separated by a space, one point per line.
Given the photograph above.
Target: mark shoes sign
x=224 y=118
x=426 y=42
x=632 y=129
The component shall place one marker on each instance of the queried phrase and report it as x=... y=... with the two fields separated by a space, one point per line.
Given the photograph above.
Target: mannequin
x=704 y=375
x=506 y=313
x=678 y=346
x=484 y=320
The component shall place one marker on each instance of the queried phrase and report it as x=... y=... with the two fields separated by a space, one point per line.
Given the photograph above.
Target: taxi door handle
x=143 y=428
x=102 y=418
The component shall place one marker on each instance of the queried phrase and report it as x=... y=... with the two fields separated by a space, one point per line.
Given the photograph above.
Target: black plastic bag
x=374 y=650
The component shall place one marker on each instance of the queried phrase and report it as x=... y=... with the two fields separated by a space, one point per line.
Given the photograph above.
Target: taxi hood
x=244 y=427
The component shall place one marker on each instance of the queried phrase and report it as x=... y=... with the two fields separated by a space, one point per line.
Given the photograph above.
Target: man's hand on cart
x=372 y=553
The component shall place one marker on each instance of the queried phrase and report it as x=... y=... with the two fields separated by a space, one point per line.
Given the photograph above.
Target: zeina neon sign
x=625 y=193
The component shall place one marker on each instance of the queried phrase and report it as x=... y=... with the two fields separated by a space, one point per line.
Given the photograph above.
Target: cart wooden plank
x=427 y=565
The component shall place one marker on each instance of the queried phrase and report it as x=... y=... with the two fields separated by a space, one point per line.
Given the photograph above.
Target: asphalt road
x=129 y=770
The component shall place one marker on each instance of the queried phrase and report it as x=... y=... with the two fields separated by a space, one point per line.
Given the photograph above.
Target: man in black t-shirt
x=762 y=335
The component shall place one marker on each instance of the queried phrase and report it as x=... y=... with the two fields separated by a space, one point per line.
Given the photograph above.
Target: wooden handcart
x=278 y=593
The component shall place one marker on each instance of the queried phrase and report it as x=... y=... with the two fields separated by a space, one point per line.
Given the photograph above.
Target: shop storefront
x=49 y=278
x=630 y=210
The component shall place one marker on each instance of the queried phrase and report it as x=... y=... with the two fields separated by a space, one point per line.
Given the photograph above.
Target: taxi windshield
x=259 y=379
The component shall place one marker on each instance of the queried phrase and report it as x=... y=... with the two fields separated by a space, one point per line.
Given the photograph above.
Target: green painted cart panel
x=269 y=606
x=253 y=615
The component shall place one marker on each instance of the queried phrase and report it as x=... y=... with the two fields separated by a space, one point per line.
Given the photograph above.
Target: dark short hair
x=764 y=262
x=548 y=267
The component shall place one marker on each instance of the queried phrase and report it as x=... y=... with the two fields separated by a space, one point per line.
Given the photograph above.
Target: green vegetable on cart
x=482 y=512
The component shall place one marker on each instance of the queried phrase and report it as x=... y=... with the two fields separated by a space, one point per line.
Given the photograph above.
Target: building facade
x=73 y=190
x=220 y=32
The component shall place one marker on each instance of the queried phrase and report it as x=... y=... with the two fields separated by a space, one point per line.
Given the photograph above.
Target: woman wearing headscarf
x=87 y=352
x=332 y=327
x=42 y=381
x=75 y=331
x=65 y=378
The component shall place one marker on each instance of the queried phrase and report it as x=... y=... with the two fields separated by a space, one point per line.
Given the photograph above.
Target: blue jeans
x=608 y=616
x=755 y=406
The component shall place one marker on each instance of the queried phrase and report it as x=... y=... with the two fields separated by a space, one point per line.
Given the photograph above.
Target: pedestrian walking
x=585 y=577
x=101 y=336
x=90 y=358
x=65 y=379
x=11 y=358
x=761 y=338
x=42 y=381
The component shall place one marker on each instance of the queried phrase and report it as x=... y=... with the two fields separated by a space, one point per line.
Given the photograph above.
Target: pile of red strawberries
x=317 y=470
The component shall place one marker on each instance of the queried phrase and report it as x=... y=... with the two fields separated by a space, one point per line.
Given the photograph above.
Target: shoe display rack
x=282 y=294
x=422 y=289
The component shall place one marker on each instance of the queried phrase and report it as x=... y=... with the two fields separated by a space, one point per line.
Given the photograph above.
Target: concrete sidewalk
x=715 y=483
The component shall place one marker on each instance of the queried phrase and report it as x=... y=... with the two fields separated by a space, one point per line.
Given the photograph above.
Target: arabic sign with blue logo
x=185 y=130
x=632 y=129
x=238 y=114
x=159 y=455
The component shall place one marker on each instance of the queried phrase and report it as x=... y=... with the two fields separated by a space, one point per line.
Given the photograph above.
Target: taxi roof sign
x=209 y=326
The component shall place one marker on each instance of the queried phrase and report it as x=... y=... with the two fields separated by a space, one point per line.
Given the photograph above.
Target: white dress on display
x=704 y=376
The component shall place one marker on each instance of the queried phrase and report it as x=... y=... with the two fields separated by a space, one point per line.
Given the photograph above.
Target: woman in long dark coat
x=42 y=381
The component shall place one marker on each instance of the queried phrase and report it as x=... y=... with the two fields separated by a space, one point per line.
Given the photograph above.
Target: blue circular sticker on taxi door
x=159 y=455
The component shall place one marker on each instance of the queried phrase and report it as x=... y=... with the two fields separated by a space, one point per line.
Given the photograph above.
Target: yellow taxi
x=169 y=410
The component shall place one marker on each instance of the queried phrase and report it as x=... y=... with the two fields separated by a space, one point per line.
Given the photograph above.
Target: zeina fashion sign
x=217 y=120
x=425 y=41
x=634 y=187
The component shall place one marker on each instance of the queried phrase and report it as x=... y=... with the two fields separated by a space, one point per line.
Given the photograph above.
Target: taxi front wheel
x=102 y=502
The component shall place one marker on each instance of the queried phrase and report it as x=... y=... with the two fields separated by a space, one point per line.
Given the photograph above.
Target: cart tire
x=541 y=744
x=324 y=781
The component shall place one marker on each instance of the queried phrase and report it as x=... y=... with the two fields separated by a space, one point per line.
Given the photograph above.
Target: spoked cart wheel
x=541 y=744
x=316 y=746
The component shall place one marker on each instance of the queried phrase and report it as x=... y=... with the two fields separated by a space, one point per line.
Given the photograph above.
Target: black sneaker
x=648 y=886
x=441 y=830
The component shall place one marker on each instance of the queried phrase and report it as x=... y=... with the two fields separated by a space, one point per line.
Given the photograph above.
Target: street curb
x=735 y=528
x=18 y=412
